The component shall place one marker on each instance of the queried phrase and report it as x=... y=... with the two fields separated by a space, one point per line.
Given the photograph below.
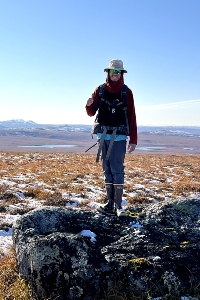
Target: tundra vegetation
x=29 y=180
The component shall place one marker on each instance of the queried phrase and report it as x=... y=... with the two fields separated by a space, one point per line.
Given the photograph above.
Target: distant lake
x=150 y=148
x=48 y=146
x=189 y=148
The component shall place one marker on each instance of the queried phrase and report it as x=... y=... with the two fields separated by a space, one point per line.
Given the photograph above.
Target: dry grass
x=11 y=286
x=54 y=178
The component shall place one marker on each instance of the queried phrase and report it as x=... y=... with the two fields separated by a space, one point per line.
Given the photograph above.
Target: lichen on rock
x=160 y=253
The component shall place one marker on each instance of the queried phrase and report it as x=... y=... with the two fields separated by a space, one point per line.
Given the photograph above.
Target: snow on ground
x=153 y=185
x=72 y=200
x=5 y=240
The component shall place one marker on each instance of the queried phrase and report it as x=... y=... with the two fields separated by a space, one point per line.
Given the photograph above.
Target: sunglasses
x=112 y=71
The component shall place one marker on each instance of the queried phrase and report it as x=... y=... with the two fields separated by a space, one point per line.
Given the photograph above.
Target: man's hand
x=131 y=148
x=90 y=101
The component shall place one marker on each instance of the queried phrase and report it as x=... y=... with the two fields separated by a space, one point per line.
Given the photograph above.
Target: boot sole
x=99 y=209
x=122 y=214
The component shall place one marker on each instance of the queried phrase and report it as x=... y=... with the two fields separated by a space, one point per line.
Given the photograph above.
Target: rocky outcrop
x=80 y=254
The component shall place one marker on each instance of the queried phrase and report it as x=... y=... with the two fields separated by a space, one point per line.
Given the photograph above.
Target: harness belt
x=105 y=129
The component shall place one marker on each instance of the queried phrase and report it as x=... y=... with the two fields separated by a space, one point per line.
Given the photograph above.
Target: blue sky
x=53 y=52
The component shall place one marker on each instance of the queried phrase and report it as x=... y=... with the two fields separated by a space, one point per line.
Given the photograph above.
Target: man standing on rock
x=116 y=119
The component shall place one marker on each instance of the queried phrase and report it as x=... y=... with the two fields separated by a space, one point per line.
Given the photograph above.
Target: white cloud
x=184 y=104
x=177 y=113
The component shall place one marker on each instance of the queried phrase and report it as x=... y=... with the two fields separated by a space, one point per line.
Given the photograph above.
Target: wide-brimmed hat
x=115 y=64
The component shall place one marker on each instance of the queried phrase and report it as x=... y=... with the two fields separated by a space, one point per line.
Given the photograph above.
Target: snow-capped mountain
x=21 y=124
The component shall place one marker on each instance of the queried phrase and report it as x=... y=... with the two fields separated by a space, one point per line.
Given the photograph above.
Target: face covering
x=114 y=87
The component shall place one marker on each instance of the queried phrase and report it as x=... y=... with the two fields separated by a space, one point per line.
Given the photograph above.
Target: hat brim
x=124 y=71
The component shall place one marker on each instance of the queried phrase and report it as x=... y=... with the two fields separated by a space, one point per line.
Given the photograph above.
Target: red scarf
x=114 y=87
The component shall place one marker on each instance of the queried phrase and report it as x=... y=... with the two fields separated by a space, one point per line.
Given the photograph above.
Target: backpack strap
x=123 y=94
x=101 y=90
x=111 y=142
x=101 y=143
x=124 y=101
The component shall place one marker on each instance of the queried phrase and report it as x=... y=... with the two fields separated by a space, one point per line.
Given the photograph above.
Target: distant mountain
x=20 y=124
x=186 y=131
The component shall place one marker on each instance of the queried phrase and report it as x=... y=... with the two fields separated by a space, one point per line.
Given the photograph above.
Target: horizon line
x=83 y=124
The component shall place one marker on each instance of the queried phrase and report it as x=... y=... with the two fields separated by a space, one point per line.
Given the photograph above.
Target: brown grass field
x=53 y=177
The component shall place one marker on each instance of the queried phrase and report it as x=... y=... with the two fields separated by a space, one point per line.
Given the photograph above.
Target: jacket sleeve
x=91 y=110
x=131 y=117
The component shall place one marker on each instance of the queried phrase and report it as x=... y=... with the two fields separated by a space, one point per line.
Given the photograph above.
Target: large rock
x=155 y=249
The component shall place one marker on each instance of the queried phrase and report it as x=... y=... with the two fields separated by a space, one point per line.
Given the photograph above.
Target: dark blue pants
x=114 y=167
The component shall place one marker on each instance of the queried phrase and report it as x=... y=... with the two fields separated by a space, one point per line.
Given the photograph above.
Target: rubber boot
x=118 y=189
x=108 y=208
